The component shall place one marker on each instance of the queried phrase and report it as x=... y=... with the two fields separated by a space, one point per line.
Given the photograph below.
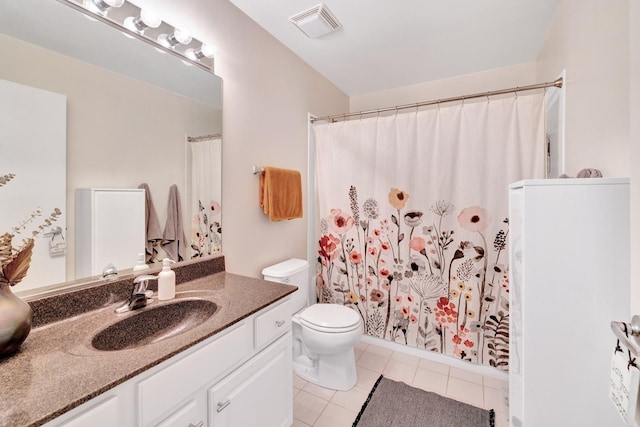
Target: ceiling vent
x=316 y=22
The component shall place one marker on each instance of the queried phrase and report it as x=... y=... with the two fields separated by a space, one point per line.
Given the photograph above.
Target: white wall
x=517 y=75
x=598 y=43
x=590 y=39
x=267 y=94
x=634 y=119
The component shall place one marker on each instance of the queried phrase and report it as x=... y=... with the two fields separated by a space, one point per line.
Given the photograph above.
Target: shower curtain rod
x=556 y=83
x=203 y=137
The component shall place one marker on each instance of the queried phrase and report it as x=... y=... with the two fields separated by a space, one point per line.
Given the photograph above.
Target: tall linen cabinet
x=569 y=260
x=110 y=228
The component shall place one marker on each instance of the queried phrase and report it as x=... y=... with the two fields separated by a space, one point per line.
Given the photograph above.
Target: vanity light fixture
x=145 y=26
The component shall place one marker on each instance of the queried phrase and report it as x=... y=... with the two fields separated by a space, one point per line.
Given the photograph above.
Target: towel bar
x=633 y=330
x=256 y=169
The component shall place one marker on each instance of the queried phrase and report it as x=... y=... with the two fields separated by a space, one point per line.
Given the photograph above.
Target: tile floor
x=320 y=407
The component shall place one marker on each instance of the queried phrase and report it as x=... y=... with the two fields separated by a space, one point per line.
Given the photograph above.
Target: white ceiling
x=387 y=44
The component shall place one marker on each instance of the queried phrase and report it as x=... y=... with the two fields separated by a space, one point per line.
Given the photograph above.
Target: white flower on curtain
x=421 y=257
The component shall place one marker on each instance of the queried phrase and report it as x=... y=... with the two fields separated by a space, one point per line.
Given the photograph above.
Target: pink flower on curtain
x=355 y=257
x=215 y=207
x=328 y=246
x=417 y=244
x=474 y=218
x=377 y=295
x=405 y=312
x=340 y=222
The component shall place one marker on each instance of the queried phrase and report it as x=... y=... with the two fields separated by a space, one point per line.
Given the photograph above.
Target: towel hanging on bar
x=173 y=239
x=152 y=226
x=281 y=193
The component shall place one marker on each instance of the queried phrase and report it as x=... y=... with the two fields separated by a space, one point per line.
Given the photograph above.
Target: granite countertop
x=56 y=369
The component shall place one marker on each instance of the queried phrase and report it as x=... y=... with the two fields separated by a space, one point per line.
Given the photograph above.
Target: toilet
x=324 y=335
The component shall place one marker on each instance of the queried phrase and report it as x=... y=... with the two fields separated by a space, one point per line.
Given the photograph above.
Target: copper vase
x=15 y=320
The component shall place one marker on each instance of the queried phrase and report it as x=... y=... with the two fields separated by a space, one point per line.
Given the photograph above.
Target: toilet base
x=334 y=371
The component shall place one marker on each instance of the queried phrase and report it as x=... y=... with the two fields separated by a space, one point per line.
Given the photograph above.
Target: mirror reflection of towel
x=173 y=240
x=281 y=193
x=152 y=225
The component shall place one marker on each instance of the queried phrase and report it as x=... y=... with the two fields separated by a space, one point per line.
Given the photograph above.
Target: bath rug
x=396 y=404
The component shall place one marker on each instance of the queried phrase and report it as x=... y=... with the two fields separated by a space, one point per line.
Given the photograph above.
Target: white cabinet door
x=258 y=394
x=187 y=416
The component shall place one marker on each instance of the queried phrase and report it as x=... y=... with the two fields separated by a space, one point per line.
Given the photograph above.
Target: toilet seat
x=332 y=318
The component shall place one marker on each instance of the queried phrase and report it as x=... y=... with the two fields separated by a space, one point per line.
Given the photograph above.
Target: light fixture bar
x=205 y=62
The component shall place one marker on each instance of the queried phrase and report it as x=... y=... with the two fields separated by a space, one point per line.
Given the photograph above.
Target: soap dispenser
x=141 y=265
x=166 y=281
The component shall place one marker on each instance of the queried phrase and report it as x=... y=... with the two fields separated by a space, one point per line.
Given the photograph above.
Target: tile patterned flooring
x=320 y=407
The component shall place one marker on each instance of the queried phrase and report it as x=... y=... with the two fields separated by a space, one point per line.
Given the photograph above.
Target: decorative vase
x=15 y=320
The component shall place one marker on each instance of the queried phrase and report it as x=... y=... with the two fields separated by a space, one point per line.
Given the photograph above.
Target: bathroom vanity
x=232 y=369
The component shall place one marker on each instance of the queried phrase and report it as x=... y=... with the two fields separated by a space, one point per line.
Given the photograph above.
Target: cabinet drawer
x=273 y=323
x=176 y=382
x=104 y=414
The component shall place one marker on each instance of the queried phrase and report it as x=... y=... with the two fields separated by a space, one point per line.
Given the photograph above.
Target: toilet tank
x=294 y=272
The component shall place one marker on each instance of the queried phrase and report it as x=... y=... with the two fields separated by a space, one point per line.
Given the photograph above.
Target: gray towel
x=173 y=239
x=152 y=226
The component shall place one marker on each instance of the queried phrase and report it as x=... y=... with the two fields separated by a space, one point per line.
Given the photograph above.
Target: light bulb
x=203 y=51
x=171 y=40
x=192 y=54
x=208 y=50
x=149 y=19
x=101 y=7
x=141 y=23
x=182 y=36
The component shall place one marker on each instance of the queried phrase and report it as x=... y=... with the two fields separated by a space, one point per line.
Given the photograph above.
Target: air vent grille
x=316 y=22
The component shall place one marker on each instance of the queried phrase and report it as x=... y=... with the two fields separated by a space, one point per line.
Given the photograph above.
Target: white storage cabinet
x=110 y=228
x=569 y=267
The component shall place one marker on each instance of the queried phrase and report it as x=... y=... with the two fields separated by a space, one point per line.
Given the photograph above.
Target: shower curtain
x=206 y=232
x=413 y=221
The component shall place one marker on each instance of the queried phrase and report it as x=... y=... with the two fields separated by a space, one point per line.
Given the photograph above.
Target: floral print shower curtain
x=206 y=228
x=413 y=221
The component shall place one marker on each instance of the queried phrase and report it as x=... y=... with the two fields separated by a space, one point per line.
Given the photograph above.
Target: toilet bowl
x=324 y=335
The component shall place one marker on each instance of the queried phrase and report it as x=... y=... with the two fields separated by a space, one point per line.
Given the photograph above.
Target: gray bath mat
x=396 y=404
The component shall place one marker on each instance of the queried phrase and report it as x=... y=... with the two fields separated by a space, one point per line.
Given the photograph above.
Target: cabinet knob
x=200 y=424
x=222 y=405
x=280 y=322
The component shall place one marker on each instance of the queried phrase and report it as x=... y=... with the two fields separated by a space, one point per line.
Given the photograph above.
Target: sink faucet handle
x=141 y=283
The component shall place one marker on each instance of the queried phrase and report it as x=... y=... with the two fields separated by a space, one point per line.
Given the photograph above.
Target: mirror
x=129 y=112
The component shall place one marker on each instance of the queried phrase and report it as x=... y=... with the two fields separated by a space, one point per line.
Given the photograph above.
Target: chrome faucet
x=140 y=295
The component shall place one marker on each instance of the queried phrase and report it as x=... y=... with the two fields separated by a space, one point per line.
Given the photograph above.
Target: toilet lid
x=330 y=317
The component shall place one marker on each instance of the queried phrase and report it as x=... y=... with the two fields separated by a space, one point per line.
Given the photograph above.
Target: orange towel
x=281 y=193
